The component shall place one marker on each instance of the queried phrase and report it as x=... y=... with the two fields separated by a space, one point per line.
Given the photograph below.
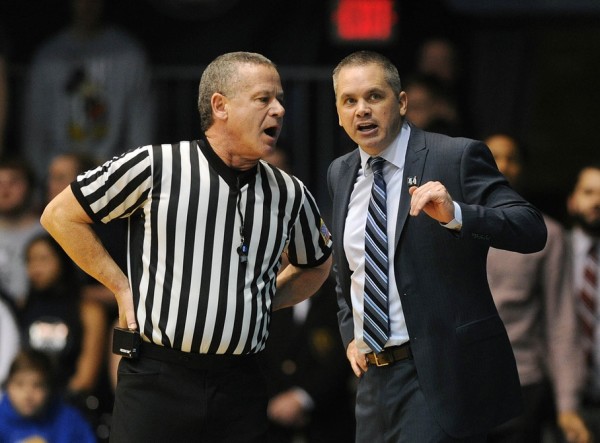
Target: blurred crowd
x=88 y=97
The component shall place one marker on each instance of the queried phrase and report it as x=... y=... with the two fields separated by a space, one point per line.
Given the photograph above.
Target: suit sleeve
x=492 y=211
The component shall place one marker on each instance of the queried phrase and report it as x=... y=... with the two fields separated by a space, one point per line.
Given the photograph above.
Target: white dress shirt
x=354 y=236
x=581 y=245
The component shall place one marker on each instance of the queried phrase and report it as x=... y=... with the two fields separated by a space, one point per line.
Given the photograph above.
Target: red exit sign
x=371 y=21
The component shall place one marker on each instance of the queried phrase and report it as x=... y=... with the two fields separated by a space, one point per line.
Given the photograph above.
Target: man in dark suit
x=443 y=368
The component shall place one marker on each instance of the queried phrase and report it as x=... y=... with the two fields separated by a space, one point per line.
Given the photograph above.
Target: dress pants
x=158 y=401
x=391 y=408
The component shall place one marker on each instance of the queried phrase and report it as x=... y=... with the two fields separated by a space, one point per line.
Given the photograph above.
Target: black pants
x=156 y=401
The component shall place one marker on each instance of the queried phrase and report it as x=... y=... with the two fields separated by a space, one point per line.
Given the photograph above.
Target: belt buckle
x=378 y=363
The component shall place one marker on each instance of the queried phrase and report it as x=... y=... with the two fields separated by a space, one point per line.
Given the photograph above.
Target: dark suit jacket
x=462 y=354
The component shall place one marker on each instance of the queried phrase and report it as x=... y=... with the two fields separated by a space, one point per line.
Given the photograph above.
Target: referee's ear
x=219 y=106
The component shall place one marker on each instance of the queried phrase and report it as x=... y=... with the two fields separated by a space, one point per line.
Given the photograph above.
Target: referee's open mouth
x=272 y=132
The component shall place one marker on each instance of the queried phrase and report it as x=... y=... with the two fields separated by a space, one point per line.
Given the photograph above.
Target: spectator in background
x=56 y=320
x=429 y=106
x=63 y=169
x=438 y=56
x=10 y=342
x=31 y=412
x=3 y=88
x=88 y=91
x=19 y=222
x=583 y=206
x=534 y=299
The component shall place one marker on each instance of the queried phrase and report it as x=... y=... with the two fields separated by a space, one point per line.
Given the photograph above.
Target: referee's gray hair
x=222 y=76
x=363 y=58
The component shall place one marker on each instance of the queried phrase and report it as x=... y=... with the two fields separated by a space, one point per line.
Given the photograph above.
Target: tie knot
x=376 y=164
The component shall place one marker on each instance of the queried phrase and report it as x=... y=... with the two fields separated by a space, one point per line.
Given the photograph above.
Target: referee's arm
x=295 y=284
x=66 y=220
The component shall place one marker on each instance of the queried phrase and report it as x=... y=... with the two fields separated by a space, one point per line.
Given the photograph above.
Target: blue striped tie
x=376 y=319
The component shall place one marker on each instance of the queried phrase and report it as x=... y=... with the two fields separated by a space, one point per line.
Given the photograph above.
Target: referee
x=208 y=223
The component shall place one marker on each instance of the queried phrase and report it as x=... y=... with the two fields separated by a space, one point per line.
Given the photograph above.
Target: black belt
x=193 y=360
x=390 y=355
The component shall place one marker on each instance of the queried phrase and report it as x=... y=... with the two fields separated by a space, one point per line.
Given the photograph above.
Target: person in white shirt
x=583 y=206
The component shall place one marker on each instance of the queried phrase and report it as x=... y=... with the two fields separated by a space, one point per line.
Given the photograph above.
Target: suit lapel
x=345 y=179
x=416 y=153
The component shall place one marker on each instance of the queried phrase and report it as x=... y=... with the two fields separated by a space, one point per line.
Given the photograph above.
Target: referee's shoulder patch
x=325 y=234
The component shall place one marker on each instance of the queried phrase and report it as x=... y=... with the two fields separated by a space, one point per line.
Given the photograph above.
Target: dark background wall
x=530 y=68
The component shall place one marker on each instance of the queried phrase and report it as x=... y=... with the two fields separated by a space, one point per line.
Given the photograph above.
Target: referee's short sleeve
x=310 y=241
x=116 y=188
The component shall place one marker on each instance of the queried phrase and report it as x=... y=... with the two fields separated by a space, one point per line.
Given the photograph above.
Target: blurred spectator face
x=506 y=154
x=62 y=171
x=421 y=106
x=437 y=57
x=27 y=391
x=43 y=265
x=278 y=158
x=584 y=203
x=14 y=190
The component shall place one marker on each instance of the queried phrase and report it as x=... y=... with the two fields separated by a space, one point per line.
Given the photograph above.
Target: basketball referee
x=208 y=223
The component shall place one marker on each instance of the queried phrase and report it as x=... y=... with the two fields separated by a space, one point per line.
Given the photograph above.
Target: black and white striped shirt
x=192 y=290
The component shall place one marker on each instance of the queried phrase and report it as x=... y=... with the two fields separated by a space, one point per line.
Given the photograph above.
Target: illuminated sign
x=370 y=21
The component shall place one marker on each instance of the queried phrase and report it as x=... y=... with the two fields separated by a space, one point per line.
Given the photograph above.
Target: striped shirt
x=187 y=212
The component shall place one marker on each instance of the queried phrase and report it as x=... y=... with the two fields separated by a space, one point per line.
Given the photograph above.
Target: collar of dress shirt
x=395 y=153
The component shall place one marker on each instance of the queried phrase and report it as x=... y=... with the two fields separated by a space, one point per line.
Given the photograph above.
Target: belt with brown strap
x=390 y=355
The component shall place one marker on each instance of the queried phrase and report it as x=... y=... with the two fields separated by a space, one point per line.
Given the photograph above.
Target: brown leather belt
x=390 y=355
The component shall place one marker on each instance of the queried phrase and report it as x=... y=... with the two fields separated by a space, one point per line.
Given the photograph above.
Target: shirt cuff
x=456 y=223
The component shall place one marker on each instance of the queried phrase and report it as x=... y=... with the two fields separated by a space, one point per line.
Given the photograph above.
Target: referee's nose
x=276 y=109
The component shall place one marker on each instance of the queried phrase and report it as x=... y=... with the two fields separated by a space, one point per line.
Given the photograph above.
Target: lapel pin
x=412 y=181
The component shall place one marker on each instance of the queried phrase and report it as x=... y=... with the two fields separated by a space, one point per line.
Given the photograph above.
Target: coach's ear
x=402 y=103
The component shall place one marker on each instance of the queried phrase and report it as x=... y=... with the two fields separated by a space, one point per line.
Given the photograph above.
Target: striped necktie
x=587 y=299
x=376 y=319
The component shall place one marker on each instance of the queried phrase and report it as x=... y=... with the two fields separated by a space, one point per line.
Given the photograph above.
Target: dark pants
x=527 y=427
x=391 y=408
x=156 y=401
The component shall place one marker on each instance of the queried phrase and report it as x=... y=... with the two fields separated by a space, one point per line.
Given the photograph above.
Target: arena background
x=530 y=68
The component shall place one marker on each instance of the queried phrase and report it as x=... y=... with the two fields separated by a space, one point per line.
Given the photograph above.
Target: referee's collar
x=234 y=177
